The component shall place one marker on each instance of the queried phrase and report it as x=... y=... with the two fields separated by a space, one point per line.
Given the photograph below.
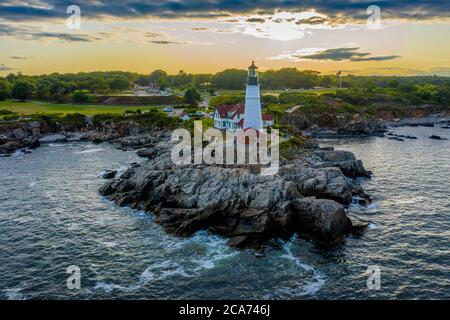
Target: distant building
x=152 y=90
x=246 y=116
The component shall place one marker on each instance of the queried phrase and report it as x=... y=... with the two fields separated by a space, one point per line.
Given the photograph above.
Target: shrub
x=81 y=96
x=6 y=112
x=74 y=120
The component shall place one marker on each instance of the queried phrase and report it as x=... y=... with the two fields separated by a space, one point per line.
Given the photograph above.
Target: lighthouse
x=252 y=115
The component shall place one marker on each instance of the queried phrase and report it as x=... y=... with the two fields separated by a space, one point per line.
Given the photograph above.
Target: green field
x=30 y=107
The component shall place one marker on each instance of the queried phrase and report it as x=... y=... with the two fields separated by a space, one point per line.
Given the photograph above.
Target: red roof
x=223 y=110
x=235 y=109
x=239 y=110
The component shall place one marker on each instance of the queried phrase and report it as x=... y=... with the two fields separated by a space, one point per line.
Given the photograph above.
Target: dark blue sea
x=52 y=217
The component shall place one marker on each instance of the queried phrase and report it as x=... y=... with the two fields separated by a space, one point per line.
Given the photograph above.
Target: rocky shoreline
x=25 y=135
x=358 y=125
x=308 y=196
x=22 y=136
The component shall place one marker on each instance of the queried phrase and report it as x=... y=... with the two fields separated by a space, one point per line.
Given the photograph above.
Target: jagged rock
x=10 y=146
x=147 y=153
x=33 y=142
x=345 y=160
x=305 y=196
x=396 y=139
x=238 y=242
x=321 y=219
x=335 y=124
x=109 y=174
x=435 y=137
x=53 y=138
x=19 y=134
x=358 y=228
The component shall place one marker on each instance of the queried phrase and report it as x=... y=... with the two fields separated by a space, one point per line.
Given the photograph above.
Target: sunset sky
x=203 y=36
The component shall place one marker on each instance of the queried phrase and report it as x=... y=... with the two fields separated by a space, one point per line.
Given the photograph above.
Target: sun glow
x=282 y=25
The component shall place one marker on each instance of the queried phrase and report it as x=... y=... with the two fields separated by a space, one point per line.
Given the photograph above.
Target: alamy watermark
x=374 y=280
x=74 y=280
x=374 y=19
x=73 y=22
x=242 y=147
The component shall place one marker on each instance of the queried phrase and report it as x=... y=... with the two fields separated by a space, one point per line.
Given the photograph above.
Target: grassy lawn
x=30 y=107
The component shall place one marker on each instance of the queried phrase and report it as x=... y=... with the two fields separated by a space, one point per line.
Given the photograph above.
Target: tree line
x=77 y=87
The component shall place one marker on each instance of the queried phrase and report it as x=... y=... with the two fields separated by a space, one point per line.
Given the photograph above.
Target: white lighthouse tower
x=252 y=116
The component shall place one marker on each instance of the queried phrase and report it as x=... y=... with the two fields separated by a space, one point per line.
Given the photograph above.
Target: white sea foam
x=19 y=153
x=372 y=226
x=88 y=151
x=101 y=173
x=212 y=249
x=109 y=244
x=14 y=293
x=122 y=169
x=310 y=288
x=369 y=209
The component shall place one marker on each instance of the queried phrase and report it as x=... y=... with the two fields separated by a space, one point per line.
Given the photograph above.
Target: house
x=232 y=117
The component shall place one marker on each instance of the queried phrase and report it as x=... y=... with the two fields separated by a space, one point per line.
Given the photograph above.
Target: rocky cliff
x=307 y=196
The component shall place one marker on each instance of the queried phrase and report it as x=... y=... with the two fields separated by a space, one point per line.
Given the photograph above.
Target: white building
x=252 y=116
x=244 y=116
x=232 y=117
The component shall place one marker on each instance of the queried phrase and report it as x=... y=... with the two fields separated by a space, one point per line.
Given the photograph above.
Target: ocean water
x=52 y=217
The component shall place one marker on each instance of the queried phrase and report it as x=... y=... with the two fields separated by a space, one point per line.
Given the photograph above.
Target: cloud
x=28 y=32
x=312 y=20
x=21 y=57
x=152 y=35
x=5 y=68
x=256 y=20
x=166 y=42
x=199 y=29
x=376 y=58
x=350 y=53
x=281 y=25
x=209 y=9
x=65 y=36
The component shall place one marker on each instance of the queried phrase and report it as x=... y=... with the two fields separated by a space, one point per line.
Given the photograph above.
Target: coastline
x=312 y=189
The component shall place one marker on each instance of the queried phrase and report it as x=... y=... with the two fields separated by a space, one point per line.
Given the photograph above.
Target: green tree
x=119 y=83
x=99 y=85
x=202 y=80
x=163 y=82
x=156 y=76
x=191 y=96
x=5 y=90
x=43 y=90
x=182 y=79
x=229 y=79
x=80 y=96
x=23 y=90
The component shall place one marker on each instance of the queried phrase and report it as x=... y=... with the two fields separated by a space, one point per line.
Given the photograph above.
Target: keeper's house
x=232 y=117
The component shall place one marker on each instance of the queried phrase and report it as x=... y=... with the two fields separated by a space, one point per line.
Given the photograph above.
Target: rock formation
x=306 y=196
